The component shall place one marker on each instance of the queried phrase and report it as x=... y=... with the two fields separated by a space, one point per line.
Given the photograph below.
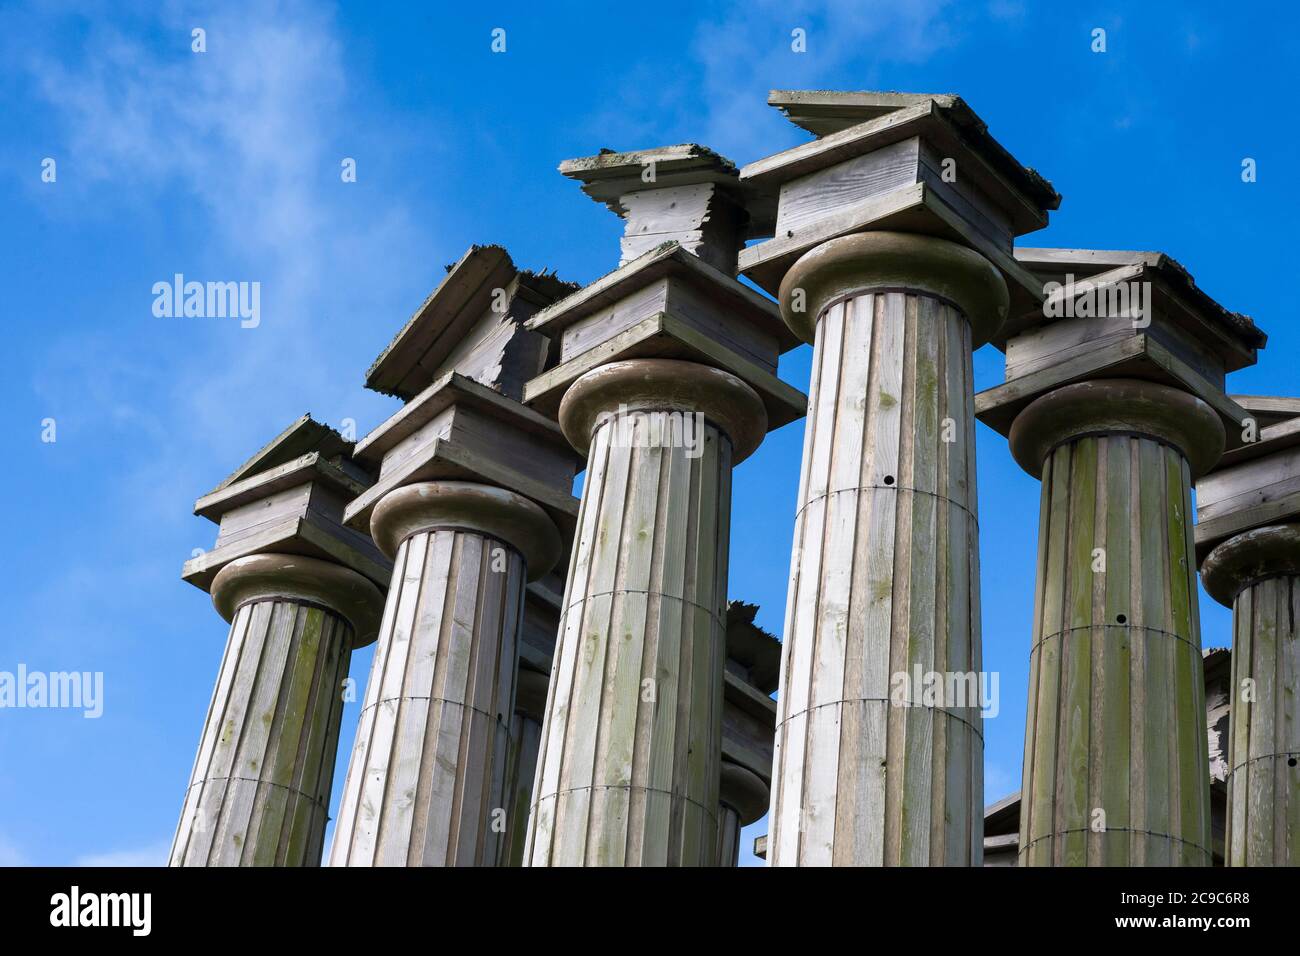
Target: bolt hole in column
x=1120 y=618
x=889 y=479
x=1291 y=762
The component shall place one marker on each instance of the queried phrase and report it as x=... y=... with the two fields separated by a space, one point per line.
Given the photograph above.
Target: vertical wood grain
x=884 y=580
x=1116 y=766
x=426 y=785
x=260 y=789
x=627 y=773
x=1264 y=726
x=525 y=742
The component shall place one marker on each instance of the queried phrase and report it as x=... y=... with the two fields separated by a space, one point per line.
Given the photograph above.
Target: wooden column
x=753 y=670
x=426 y=783
x=1257 y=573
x=1116 y=762
x=885 y=571
x=742 y=800
x=259 y=793
x=628 y=771
x=525 y=743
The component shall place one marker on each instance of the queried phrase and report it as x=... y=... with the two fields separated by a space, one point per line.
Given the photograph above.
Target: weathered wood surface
x=729 y=826
x=525 y=743
x=705 y=218
x=426 y=784
x=682 y=301
x=1264 y=735
x=685 y=193
x=896 y=166
x=260 y=790
x=1249 y=493
x=1232 y=338
x=664 y=336
x=472 y=323
x=917 y=209
x=884 y=578
x=1116 y=698
x=289 y=499
x=628 y=772
x=1140 y=356
x=1057 y=342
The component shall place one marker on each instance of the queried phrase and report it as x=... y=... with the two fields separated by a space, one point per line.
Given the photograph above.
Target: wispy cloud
x=246 y=140
x=718 y=95
x=253 y=131
x=226 y=160
x=749 y=50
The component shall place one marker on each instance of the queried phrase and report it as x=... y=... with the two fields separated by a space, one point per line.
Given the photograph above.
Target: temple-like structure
x=564 y=681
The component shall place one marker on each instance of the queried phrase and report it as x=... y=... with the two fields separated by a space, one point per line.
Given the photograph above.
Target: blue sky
x=225 y=166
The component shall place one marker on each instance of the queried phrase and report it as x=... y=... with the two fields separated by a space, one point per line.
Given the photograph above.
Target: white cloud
x=251 y=133
x=236 y=150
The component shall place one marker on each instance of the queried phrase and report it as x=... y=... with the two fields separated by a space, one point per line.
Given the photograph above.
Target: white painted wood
x=426 y=784
x=629 y=762
x=881 y=578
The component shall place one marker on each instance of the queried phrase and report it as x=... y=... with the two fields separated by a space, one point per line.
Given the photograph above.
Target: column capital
x=1249 y=558
x=482 y=289
x=1256 y=484
x=906 y=162
x=1117 y=406
x=459 y=430
x=467 y=506
x=668 y=304
x=893 y=261
x=294 y=577
x=289 y=498
x=653 y=385
x=1118 y=314
x=743 y=791
x=692 y=195
x=753 y=672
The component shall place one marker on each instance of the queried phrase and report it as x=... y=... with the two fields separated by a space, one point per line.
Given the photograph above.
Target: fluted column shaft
x=1116 y=768
x=629 y=763
x=260 y=789
x=426 y=784
x=884 y=578
x=1259 y=573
